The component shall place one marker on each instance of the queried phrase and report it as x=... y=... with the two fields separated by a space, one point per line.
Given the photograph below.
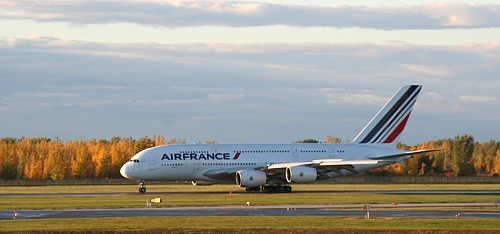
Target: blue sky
x=246 y=71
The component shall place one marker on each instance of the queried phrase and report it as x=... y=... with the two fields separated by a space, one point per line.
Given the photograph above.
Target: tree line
x=45 y=158
x=460 y=156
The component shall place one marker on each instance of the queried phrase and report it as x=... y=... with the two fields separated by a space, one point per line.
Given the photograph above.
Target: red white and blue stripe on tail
x=388 y=124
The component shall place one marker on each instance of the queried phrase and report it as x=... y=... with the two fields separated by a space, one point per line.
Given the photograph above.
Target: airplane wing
x=397 y=157
x=323 y=163
x=324 y=167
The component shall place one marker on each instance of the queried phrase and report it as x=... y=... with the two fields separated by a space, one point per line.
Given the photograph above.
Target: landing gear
x=142 y=187
x=252 y=189
x=277 y=189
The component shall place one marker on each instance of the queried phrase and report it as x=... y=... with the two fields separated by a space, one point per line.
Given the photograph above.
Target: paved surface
x=353 y=210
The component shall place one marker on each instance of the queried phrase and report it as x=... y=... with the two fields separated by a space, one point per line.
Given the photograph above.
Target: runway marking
x=284 y=210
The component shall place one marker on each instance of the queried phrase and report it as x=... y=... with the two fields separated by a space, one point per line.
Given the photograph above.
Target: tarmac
x=453 y=210
x=437 y=210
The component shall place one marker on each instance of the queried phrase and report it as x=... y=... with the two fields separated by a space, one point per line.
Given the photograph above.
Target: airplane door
x=331 y=151
x=295 y=152
x=152 y=165
x=196 y=166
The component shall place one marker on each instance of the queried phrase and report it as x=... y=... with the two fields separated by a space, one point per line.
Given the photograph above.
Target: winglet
x=388 y=124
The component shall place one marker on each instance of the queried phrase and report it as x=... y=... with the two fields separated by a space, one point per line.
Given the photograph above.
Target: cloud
x=434 y=71
x=495 y=100
x=220 y=91
x=222 y=7
x=462 y=15
x=238 y=14
x=356 y=99
x=225 y=97
x=43 y=95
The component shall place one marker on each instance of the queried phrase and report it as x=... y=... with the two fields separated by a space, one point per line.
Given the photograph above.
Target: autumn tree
x=211 y=142
x=462 y=149
x=43 y=158
x=81 y=160
x=57 y=166
x=496 y=167
x=330 y=139
x=308 y=140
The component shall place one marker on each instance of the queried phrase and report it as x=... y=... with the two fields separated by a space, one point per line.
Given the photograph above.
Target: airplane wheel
x=274 y=189
x=142 y=189
x=288 y=189
x=252 y=189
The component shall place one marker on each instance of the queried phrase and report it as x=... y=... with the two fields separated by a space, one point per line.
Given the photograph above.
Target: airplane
x=273 y=167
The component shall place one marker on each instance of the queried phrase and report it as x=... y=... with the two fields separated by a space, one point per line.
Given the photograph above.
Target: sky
x=246 y=71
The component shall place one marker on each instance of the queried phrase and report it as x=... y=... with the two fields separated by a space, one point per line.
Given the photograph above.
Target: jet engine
x=250 y=178
x=201 y=183
x=301 y=174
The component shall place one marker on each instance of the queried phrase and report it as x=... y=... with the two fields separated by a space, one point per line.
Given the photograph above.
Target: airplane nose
x=124 y=172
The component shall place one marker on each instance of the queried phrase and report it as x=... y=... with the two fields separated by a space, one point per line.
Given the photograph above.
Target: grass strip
x=219 y=199
x=235 y=223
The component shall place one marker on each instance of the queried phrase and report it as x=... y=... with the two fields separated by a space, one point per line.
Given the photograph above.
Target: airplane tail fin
x=388 y=124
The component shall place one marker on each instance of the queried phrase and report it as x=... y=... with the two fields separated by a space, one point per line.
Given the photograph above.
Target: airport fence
x=338 y=180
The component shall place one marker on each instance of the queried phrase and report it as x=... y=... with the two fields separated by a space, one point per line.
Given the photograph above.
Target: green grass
x=120 y=196
x=308 y=224
x=77 y=202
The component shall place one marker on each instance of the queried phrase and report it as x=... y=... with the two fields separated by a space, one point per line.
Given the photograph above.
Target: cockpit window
x=134 y=160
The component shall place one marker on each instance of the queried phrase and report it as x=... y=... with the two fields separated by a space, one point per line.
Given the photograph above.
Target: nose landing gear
x=142 y=187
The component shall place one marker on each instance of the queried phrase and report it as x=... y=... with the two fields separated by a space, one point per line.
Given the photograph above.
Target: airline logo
x=200 y=156
x=390 y=125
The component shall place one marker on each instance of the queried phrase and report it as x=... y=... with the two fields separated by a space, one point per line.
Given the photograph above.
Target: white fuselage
x=269 y=166
x=189 y=162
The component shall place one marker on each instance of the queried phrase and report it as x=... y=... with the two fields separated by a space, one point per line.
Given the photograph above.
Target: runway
x=436 y=210
x=349 y=210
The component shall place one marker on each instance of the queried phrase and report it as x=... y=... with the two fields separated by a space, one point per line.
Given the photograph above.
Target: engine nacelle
x=250 y=178
x=301 y=174
x=201 y=183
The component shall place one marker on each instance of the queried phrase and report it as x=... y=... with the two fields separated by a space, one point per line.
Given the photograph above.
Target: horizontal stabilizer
x=396 y=157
